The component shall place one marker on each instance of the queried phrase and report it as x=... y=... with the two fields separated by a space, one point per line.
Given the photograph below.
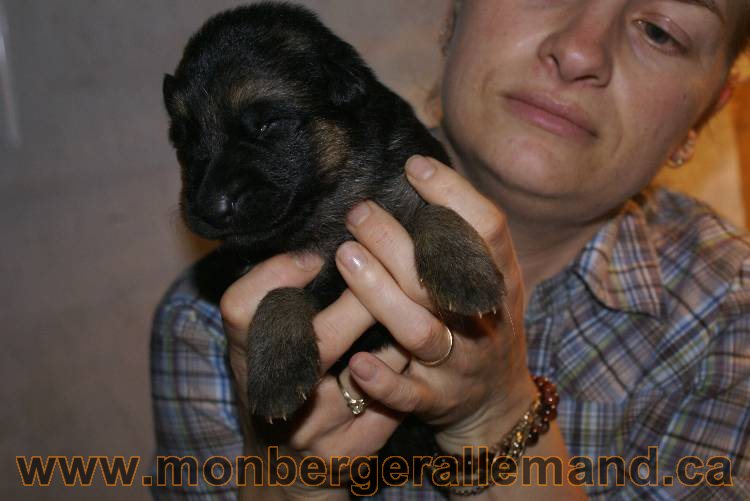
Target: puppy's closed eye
x=266 y=128
x=276 y=126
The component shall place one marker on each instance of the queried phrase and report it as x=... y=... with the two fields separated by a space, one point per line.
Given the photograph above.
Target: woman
x=558 y=115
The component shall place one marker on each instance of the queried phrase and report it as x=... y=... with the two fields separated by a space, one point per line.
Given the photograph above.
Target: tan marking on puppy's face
x=332 y=145
x=244 y=93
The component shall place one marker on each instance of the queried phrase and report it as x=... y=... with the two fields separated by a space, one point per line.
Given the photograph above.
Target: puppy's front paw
x=283 y=357
x=454 y=263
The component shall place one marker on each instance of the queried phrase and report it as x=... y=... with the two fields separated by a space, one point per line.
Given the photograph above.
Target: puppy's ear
x=346 y=75
x=172 y=100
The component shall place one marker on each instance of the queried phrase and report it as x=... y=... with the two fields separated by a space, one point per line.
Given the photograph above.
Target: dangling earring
x=685 y=152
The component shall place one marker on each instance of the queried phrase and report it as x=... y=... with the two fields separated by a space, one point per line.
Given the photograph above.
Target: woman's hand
x=484 y=386
x=326 y=427
x=474 y=397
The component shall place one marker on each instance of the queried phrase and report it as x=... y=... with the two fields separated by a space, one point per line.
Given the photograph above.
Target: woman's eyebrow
x=708 y=4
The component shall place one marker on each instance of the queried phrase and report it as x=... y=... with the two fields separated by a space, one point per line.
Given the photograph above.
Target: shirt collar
x=620 y=265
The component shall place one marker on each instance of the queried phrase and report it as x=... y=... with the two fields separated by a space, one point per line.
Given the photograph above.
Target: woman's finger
x=395 y=357
x=338 y=326
x=329 y=413
x=359 y=435
x=441 y=185
x=413 y=325
x=390 y=243
x=241 y=299
x=396 y=391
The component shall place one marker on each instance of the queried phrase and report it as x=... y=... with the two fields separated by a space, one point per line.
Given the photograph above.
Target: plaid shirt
x=646 y=333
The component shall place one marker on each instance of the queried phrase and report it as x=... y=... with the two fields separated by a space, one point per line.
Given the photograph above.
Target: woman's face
x=571 y=106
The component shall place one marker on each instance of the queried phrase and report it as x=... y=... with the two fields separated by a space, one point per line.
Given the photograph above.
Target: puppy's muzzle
x=218 y=210
x=255 y=203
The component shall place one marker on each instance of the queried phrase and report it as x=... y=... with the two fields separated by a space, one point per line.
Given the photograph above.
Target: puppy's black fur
x=280 y=129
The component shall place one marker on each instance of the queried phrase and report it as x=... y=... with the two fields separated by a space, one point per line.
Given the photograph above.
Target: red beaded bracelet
x=549 y=399
x=534 y=422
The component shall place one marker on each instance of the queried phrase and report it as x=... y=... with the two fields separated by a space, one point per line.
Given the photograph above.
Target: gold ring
x=444 y=357
x=356 y=405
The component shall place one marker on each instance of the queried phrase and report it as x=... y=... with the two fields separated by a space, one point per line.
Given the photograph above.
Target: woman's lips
x=561 y=119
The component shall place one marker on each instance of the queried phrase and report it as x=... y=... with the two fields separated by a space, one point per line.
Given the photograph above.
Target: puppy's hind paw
x=454 y=263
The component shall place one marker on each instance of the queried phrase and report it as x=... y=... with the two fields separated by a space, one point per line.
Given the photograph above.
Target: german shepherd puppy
x=280 y=129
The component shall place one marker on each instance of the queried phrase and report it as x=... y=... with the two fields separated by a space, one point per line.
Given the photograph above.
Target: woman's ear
x=721 y=99
x=724 y=97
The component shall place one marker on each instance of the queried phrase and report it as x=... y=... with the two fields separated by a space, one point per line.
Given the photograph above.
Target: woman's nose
x=580 y=49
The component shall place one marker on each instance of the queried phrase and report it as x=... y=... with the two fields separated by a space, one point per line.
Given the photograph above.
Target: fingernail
x=351 y=257
x=363 y=368
x=358 y=214
x=419 y=167
x=307 y=261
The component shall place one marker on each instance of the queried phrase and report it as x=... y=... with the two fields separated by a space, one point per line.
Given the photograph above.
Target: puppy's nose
x=218 y=211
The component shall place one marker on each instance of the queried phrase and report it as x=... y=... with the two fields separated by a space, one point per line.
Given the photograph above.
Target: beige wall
x=88 y=208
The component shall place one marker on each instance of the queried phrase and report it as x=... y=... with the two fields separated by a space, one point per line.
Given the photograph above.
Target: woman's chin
x=540 y=171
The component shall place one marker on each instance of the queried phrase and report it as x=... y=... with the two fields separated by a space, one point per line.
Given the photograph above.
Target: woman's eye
x=657 y=35
x=660 y=37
